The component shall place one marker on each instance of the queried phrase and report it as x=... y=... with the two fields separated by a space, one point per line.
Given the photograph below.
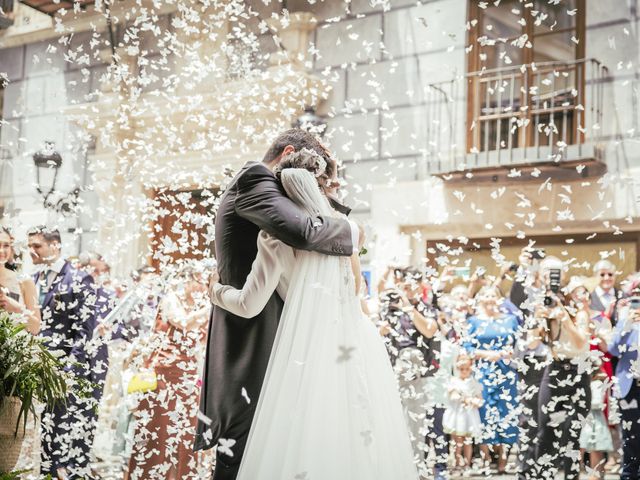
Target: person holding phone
x=625 y=344
x=565 y=392
x=532 y=355
x=410 y=326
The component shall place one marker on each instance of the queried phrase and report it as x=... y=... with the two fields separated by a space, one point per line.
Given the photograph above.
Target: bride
x=329 y=406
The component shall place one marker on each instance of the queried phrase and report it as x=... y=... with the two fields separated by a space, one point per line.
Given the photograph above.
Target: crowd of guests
x=528 y=365
x=139 y=344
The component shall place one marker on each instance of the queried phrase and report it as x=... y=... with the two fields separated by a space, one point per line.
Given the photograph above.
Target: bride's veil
x=302 y=187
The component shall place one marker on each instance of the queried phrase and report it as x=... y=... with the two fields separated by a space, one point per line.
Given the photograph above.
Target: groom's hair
x=298 y=139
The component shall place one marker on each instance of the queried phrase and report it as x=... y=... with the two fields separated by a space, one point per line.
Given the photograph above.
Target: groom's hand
x=214 y=279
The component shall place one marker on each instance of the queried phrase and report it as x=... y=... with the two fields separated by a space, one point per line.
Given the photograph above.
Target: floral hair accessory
x=304 y=158
x=315 y=163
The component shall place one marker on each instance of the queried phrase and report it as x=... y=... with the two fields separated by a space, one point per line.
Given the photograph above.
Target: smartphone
x=634 y=303
x=5 y=291
x=538 y=254
x=462 y=272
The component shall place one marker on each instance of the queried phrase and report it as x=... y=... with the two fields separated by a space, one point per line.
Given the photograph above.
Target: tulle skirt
x=460 y=420
x=329 y=406
x=595 y=435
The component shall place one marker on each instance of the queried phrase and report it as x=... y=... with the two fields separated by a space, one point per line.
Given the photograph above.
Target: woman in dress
x=490 y=340
x=595 y=437
x=329 y=406
x=565 y=391
x=18 y=297
x=17 y=293
x=601 y=330
x=165 y=417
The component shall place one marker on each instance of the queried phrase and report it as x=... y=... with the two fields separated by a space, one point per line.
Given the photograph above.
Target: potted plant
x=28 y=372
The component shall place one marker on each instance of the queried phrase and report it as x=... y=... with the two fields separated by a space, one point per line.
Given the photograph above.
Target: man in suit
x=94 y=264
x=238 y=349
x=67 y=302
x=624 y=344
x=605 y=296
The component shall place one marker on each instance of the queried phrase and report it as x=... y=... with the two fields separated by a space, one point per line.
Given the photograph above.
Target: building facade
x=466 y=129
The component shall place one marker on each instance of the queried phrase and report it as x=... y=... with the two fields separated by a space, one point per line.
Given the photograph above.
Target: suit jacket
x=99 y=350
x=238 y=349
x=597 y=305
x=624 y=345
x=68 y=316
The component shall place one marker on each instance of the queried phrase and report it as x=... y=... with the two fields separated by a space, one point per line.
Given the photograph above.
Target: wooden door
x=183 y=225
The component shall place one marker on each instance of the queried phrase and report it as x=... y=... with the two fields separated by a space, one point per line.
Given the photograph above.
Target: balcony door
x=182 y=226
x=526 y=74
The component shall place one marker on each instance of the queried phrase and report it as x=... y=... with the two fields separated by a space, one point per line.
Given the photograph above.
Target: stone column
x=294 y=33
x=117 y=184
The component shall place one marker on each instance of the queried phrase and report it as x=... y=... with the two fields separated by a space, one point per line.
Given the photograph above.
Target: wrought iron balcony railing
x=527 y=114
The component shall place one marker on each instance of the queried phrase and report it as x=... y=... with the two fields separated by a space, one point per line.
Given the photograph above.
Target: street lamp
x=46 y=160
x=311 y=122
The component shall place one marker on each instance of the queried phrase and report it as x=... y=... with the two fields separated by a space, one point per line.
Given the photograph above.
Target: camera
x=634 y=303
x=554 y=287
x=399 y=272
x=538 y=254
x=391 y=298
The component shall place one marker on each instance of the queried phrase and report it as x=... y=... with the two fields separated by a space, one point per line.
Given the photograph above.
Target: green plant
x=17 y=475
x=28 y=370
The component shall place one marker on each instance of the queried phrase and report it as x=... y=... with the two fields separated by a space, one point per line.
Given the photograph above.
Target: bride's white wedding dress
x=329 y=408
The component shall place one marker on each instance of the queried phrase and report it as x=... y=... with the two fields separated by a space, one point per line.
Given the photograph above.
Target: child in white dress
x=462 y=417
x=595 y=437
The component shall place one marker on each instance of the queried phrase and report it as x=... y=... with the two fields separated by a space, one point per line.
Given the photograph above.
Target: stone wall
x=45 y=78
x=379 y=62
x=41 y=84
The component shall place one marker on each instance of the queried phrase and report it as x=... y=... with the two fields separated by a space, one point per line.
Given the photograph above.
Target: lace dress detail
x=347 y=292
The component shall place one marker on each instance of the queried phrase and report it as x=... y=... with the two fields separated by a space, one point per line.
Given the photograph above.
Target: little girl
x=595 y=437
x=462 y=418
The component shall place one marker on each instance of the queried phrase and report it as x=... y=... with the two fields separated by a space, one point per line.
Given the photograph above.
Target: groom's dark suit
x=238 y=349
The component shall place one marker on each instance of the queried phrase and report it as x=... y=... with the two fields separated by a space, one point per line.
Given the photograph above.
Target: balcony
x=543 y=114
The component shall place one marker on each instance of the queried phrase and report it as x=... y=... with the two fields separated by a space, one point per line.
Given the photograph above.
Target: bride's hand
x=362 y=237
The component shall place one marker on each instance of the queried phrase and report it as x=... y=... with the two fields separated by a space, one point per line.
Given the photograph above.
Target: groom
x=238 y=349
